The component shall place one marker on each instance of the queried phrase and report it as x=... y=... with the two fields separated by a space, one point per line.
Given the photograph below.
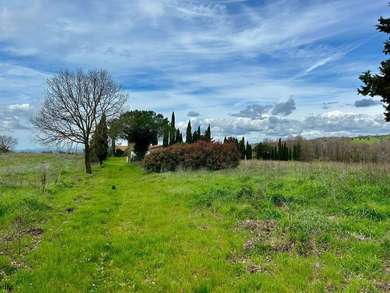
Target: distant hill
x=371 y=139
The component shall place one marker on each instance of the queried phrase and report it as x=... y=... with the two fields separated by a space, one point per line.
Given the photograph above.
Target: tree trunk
x=87 y=159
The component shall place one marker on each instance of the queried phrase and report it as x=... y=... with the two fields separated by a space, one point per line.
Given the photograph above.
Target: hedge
x=199 y=155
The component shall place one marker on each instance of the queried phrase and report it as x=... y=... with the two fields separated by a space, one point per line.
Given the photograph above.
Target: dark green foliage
x=189 y=133
x=197 y=135
x=114 y=129
x=173 y=120
x=248 y=151
x=207 y=134
x=209 y=155
x=296 y=153
x=245 y=192
x=179 y=136
x=142 y=128
x=282 y=151
x=119 y=153
x=100 y=141
x=172 y=132
x=231 y=140
x=166 y=136
x=263 y=151
x=379 y=84
x=241 y=147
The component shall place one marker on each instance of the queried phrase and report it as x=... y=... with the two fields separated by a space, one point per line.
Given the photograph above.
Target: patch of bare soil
x=264 y=235
x=383 y=286
x=250 y=266
x=35 y=231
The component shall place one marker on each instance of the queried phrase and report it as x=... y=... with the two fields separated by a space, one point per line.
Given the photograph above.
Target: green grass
x=266 y=226
x=371 y=139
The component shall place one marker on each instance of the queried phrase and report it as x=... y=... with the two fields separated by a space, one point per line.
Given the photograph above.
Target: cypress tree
x=100 y=140
x=196 y=136
x=179 y=137
x=259 y=151
x=248 y=151
x=173 y=122
x=172 y=132
x=189 y=133
x=298 y=151
x=166 y=136
x=285 y=152
x=113 y=133
x=207 y=134
x=242 y=148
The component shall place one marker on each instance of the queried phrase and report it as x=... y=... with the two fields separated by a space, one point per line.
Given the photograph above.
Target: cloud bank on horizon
x=254 y=68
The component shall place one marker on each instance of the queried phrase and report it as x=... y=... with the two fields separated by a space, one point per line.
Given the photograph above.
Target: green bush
x=207 y=155
x=119 y=153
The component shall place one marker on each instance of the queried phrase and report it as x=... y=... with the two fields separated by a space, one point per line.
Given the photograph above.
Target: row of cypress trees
x=245 y=149
x=280 y=151
x=267 y=151
x=173 y=135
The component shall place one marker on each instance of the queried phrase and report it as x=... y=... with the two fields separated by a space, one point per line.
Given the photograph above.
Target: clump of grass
x=309 y=231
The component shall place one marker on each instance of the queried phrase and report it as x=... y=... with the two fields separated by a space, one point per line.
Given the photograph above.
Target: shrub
x=208 y=155
x=119 y=153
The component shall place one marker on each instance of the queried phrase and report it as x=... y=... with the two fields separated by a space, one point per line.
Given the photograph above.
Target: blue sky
x=265 y=68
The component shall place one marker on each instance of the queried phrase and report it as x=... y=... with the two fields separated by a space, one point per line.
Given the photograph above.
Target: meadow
x=266 y=226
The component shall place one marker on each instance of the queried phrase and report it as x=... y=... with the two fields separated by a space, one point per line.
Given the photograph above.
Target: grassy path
x=142 y=235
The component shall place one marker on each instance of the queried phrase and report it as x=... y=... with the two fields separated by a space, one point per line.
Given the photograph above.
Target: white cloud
x=212 y=57
x=333 y=123
x=19 y=107
x=15 y=117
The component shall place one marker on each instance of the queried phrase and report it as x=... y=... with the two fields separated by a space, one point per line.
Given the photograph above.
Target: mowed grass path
x=264 y=227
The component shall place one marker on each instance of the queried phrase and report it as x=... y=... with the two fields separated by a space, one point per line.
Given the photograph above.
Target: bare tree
x=73 y=105
x=7 y=143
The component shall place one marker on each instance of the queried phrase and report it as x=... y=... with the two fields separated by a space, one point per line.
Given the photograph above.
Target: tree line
x=281 y=151
x=337 y=149
x=173 y=135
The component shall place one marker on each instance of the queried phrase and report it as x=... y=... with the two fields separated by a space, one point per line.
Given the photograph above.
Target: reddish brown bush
x=208 y=155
